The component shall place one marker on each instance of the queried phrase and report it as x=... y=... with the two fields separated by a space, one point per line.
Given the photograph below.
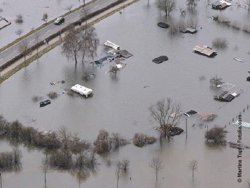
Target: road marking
x=96 y=6
x=48 y=31
x=32 y=40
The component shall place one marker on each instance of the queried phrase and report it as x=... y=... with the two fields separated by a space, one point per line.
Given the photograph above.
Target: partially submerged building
x=205 y=50
x=226 y=96
x=220 y=5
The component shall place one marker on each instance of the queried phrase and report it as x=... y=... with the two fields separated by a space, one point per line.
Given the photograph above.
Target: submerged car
x=59 y=20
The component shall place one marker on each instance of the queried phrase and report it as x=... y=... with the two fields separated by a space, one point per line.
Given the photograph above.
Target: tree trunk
x=193 y=172
x=75 y=59
x=45 y=179
x=117 y=182
x=156 y=174
x=37 y=51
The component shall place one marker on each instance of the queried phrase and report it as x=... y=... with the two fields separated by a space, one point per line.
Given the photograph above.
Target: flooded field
x=121 y=103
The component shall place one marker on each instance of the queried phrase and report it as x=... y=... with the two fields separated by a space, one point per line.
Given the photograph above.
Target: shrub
x=19 y=19
x=220 y=42
x=52 y=95
x=117 y=140
x=235 y=25
x=140 y=139
x=217 y=134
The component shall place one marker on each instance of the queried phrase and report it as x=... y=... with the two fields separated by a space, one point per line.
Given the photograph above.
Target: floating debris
x=244 y=124
x=111 y=45
x=236 y=59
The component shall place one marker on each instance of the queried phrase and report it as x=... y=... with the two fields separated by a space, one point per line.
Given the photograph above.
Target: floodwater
x=120 y=104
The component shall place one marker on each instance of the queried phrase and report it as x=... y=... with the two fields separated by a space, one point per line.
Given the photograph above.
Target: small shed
x=81 y=90
x=220 y=5
x=188 y=30
x=205 y=50
x=224 y=96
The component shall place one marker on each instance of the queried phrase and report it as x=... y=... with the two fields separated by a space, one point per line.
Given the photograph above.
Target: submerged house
x=226 y=96
x=204 y=50
x=220 y=5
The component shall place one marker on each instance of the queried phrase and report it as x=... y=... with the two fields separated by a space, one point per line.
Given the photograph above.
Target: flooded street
x=121 y=103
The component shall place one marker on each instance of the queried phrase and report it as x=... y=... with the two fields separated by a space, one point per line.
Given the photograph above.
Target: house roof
x=204 y=50
x=223 y=5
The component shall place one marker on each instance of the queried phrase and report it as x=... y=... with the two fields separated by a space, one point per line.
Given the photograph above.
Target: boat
x=44 y=103
x=82 y=90
x=111 y=45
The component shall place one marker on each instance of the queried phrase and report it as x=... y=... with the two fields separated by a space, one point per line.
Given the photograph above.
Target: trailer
x=82 y=90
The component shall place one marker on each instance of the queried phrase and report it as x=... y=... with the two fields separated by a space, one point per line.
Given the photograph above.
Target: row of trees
x=168 y=6
x=80 y=43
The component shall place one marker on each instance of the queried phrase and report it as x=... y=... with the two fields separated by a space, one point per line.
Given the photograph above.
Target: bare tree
x=118 y=172
x=69 y=7
x=167 y=114
x=216 y=81
x=19 y=32
x=45 y=167
x=124 y=165
x=72 y=47
x=193 y=165
x=157 y=165
x=166 y=5
x=248 y=5
x=23 y=49
x=80 y=167
x=37 y=38
x=89 y=42
x=192 y=3
x=65 y=135
x=220 y=42
x=248 y=183
x=45 y=17
x=84 y=14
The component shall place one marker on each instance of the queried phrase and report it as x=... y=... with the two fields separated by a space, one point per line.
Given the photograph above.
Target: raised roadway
x=12 y=51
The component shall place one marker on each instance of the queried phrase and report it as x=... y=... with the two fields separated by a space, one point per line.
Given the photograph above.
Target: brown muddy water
x=120 y=104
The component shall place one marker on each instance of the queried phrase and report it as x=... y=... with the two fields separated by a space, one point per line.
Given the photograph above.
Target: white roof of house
x=81 y=90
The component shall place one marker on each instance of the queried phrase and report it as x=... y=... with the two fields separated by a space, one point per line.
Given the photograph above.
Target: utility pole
x=186 y=128
x=1 y=179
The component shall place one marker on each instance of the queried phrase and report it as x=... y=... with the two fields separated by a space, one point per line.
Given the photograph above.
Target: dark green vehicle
x=44 y=103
